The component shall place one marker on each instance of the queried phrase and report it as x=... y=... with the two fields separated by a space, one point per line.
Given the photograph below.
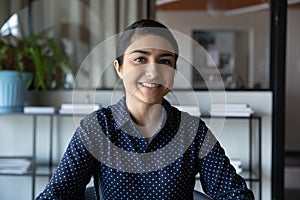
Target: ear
x=118 y=68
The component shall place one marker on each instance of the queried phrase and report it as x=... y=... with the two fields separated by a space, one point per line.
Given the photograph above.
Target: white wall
x=256 y=23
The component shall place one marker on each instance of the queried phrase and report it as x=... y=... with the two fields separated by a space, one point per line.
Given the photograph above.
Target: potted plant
x=36 y=61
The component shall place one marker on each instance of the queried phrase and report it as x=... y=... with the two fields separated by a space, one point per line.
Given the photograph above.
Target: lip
x=149 y=85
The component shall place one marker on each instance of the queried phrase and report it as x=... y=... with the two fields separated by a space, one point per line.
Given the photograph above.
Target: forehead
x=150 y=42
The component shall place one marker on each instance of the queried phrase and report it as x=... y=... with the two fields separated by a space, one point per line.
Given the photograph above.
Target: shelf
x=43 y=170
x=47 y=169
x=15 y=165
x=245 y=175
x=40 y=171
x=45 y=114
x=231 y=117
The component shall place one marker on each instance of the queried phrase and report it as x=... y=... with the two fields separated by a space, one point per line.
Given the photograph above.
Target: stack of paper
x=237 y=164
x=14 y=165
x=69 y=108
x=39 y=110
x=239 y=110
x=192 y=110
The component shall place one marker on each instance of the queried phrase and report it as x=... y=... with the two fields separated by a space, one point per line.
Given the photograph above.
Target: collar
x=122 y=117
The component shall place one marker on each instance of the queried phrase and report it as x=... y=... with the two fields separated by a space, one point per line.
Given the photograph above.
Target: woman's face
x=148 y=69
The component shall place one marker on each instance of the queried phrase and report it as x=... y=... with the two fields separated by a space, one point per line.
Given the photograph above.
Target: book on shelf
x=192 y=110
x=39 y=110
x=14 y=165
x=238 y=110
x=69 y=108
x=230 y=113
x=230 y=105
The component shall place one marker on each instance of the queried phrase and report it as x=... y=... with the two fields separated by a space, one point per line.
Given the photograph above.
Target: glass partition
x=235 y=35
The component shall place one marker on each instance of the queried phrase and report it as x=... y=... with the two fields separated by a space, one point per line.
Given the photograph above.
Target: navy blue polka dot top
x=109 y=148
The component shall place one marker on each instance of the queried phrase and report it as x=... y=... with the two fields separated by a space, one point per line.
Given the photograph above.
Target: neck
x=143 y=113
x=147 y=117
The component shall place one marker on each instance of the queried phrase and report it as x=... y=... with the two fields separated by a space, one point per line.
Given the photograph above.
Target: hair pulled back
x=140 y=28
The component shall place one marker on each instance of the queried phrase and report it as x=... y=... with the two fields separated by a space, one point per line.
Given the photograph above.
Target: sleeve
x=72 y=174
x=218 y=177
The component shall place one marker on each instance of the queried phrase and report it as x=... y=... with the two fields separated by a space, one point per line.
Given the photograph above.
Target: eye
x=140 y=59
x=165 y=62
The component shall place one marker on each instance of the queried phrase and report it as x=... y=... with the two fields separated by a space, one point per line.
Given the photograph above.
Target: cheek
x=168 y=74
x=130 y=76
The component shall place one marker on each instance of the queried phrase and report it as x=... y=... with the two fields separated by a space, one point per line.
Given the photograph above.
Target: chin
x=151 y=100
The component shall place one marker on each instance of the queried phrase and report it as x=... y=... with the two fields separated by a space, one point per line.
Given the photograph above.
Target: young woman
x=142 y=147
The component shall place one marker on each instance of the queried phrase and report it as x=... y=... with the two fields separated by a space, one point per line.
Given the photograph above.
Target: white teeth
x=150 y=85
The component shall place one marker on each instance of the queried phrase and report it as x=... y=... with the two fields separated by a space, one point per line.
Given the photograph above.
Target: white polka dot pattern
x=174 y=181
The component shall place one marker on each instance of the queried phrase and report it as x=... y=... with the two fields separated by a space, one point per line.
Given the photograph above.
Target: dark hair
x=143 y=27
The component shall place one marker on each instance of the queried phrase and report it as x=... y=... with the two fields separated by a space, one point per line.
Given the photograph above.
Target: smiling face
x=148 y=69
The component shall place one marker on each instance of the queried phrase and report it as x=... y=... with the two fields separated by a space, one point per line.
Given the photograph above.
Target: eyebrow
x=149 y=53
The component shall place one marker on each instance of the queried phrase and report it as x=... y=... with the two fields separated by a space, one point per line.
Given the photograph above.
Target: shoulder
x=192 y=126
x=186 y=117
x=103 y=113
x=107 y=118
x=114 y=110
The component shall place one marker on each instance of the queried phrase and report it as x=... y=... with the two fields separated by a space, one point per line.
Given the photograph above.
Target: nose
x=152 y=71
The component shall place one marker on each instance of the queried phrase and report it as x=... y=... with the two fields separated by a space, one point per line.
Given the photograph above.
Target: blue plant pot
x=13 y=91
